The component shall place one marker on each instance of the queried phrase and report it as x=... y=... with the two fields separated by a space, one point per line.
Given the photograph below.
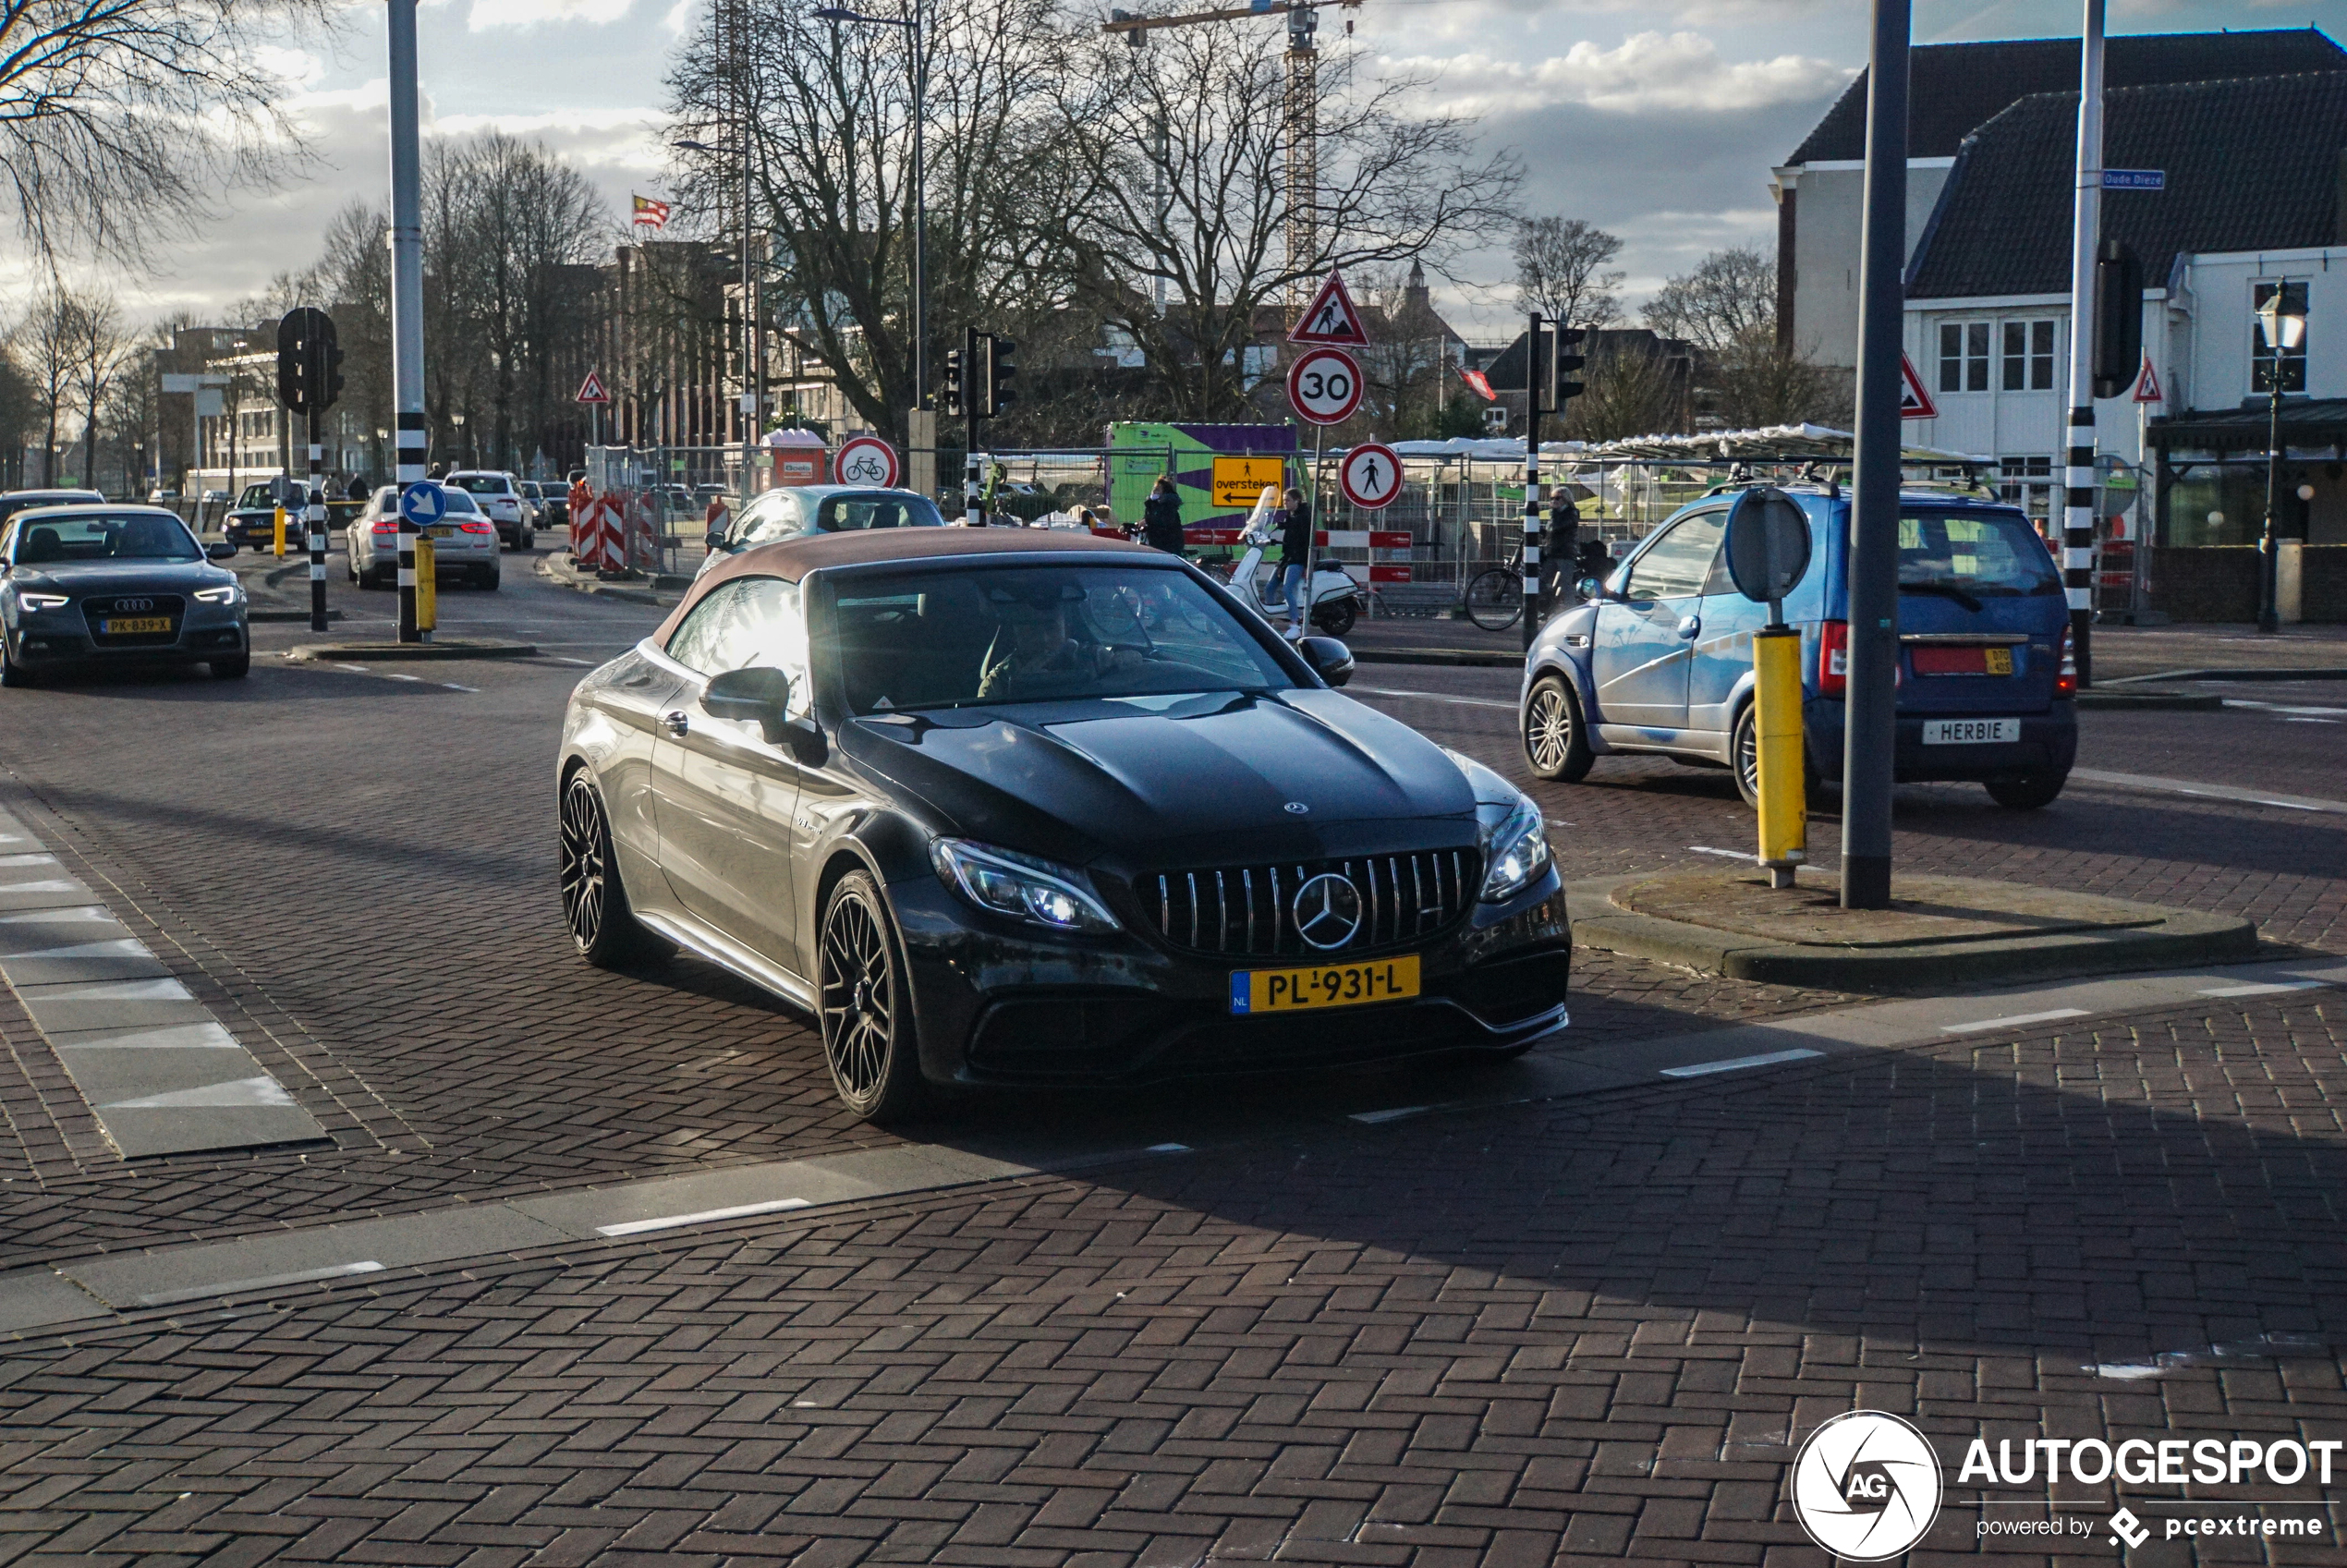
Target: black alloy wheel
x=1555 y=740
x=867 y=1017
x=602 y=927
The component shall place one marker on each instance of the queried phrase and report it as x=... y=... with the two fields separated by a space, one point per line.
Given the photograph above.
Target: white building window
x=2028 y=356
x=2028 y=481
x=1963 y=356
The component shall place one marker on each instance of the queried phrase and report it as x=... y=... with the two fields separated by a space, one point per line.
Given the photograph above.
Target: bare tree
x=1636 y=386
x=1727 y=298
x=103 y=348
x=1560 y=272
x=1173 y=176
x=49 y=343
x=121 y=120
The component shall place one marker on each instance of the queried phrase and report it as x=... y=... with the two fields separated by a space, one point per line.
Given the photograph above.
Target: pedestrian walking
x=1162 y=517
x=1295 y=554
x=357 y=490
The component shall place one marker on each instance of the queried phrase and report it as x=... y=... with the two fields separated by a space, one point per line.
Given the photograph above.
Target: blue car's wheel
x=1556 y=740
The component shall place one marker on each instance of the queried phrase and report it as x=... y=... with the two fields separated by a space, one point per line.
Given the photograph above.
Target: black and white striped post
x=2079 y=469
x=1537 y=395
x=411 y=471
x=314 y=516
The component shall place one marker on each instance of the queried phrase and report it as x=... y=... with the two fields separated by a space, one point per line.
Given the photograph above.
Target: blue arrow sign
x=422 y=504
x=2134 y=179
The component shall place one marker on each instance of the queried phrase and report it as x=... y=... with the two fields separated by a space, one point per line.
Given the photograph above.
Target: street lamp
x=2283 y=330
x=912 y=26
x=464 y=453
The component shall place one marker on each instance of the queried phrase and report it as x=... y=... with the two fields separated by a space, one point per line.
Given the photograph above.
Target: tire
x=2028 y=792
x=234 y=669
x=1556 y=737
x=1745 y=751
x=602 y=927
x=14 y=675
x=1338 y=618
x=528 y=538
x=386 y=577
x=869 y=1040
x=1494 y=599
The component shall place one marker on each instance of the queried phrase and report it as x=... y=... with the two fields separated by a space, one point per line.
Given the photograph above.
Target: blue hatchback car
x=1660 y=658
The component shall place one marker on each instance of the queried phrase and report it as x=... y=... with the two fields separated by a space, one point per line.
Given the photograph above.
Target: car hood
x=1214 y=777
x=80 y=577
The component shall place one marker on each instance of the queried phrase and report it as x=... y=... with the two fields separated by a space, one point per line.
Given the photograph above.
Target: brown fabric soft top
x=792 y=559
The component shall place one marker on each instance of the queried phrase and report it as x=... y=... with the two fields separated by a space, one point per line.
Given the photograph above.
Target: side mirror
x=1329 y=658
x=761 y=696
x=1593 y=587
x=717 y=539
x=220 y=550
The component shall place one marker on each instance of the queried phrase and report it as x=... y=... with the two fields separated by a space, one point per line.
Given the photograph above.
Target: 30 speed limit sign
x=1324 y=385
x=1370 y=476
x=867 y=459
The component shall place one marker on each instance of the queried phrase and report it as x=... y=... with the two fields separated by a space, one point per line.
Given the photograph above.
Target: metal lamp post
x=2283 y=330
x=912 y=26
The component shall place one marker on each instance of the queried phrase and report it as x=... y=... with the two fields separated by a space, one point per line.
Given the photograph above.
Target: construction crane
x=1299 y=117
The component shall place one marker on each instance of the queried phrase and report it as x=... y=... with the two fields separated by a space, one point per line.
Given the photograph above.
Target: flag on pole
x=1481 y=383
x=651 y=211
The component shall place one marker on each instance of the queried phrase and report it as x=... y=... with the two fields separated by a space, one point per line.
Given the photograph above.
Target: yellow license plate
x=2000 y=660
x=444 y=534
x=1333 y=985
x=129 y=625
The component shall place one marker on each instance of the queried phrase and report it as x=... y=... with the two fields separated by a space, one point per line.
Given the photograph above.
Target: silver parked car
x=94 y=584
x=464 y=543
x=819 y=508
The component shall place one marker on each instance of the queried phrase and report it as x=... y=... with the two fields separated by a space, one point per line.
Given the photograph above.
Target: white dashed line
x=1733 y=1063
x=452 y=686
x=355 y=669
x=1372 y=1118
x=1432 y=696
x=1731 y=854
x=707 y=1216
x=2264 y=990
x=390 y=676
x=267 y=1281
x=2015 y=1018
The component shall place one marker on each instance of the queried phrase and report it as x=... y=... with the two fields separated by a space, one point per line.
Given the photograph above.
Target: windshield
x=134 y=536
x=953 y=637
x=12 y=504
x=482 y=484
x=1974 y=555
x=255 y=495
x=839 y=514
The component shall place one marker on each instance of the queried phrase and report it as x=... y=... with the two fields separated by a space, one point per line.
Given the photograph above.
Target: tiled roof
x=2251 y=165
x=1955 y=87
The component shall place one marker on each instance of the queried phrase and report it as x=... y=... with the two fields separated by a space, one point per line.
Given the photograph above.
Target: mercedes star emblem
x=1328 y=911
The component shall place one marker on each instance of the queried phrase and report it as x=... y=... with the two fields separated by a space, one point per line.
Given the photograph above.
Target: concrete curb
x=2182 y=937
x=396 y=653
x=646 y=592
x=1454 y=656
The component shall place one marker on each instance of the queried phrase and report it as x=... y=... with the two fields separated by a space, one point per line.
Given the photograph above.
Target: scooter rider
x=1295 y=554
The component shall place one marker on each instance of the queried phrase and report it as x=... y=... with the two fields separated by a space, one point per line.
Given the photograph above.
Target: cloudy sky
x=1658 y=119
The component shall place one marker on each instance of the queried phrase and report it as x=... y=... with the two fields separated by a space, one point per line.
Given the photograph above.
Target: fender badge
x=1297 y=807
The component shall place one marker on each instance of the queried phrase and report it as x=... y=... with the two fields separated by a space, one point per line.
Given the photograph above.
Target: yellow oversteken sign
x=1239 y=481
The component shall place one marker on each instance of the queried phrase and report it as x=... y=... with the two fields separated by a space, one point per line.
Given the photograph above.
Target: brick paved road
x=1587 y=1328
x=1564 y=1335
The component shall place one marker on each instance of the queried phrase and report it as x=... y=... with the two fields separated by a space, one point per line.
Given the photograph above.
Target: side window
x=748 y=620
x=1679 y=563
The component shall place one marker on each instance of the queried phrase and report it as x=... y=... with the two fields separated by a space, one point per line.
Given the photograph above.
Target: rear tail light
x=1834 y=659
x=384 y=529
x=476 y=527
x=2066 y=683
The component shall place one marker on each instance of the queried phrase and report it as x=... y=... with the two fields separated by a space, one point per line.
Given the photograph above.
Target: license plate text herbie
x=1332 y=985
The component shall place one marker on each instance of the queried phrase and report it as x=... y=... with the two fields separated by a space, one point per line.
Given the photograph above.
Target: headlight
x=1020 y=886
x=1516 y=853
x=43 y=600
x=225 y=595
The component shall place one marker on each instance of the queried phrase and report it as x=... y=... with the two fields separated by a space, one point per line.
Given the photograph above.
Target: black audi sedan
x=110 y=584
x=1002 y=807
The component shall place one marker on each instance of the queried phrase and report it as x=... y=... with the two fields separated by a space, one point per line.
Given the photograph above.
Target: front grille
x=1250 y=910
x=143 y=605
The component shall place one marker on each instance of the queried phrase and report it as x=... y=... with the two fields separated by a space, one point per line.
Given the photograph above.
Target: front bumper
x=2048 y=744
x=993 y=1004
x=56 y=638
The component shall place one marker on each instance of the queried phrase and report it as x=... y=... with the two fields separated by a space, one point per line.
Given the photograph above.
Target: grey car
x=105 y=584
x=819 y=508
x=464 y=542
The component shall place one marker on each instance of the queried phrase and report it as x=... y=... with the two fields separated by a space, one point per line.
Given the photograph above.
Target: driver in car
x=1034 y=652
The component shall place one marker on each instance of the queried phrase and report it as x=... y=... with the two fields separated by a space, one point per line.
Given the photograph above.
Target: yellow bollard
x=1784 y=810
x=281 y=533
x=427 y=587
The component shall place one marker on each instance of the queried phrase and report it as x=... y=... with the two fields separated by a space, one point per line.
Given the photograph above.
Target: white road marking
x=452 y=686
x=355 y=669
x=1168 y=1149
x=2211 y=792
x=707 y=1216
x=2264 y=990
x=1432 y=696
x=564 y=659
x=2310 y=721
x=394 y=675
x=1733 y=1063
x=2015 y=1018
x=1371 y=1118
x=267 y=1281
x=2279 y=707
x=1731 y=854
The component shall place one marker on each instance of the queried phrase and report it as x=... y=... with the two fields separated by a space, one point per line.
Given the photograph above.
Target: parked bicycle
x=1495 y=597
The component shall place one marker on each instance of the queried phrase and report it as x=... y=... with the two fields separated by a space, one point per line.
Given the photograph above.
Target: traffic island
x=1939 y=931
x=659 y=589
x=393 y=653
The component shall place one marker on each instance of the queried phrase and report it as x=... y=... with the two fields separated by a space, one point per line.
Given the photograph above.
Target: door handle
x=1690 y=625
x=675 y=723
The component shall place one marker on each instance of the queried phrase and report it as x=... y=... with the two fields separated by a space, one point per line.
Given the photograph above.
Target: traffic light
x=949 y=398
x=1001 y=370
x=309 y=362
x=2119 y=318
x=1563 y=362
